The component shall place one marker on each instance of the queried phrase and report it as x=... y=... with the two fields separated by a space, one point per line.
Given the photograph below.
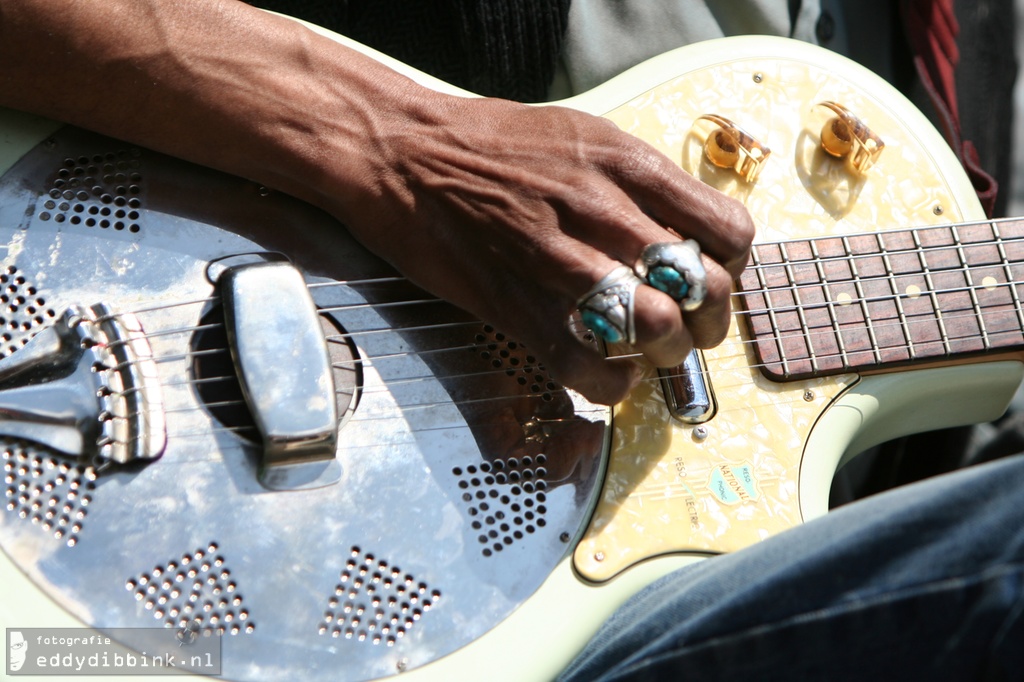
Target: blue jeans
x=925 y=582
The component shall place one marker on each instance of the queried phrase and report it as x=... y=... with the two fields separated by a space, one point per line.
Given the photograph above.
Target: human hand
x=512 y=212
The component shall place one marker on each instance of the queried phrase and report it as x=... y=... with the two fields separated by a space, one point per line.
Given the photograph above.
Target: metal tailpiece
x=86 y=386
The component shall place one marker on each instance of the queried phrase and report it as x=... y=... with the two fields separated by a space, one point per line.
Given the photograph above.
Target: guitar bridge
x=87 y=387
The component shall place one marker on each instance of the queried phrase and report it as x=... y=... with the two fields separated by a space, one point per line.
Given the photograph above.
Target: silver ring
x=676 y=269
x=608 y=309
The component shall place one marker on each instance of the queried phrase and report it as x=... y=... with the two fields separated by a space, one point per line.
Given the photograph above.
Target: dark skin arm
x=509 y=211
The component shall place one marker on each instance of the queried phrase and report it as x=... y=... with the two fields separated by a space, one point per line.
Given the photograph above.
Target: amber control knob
x=845 y=136
x=729 y=146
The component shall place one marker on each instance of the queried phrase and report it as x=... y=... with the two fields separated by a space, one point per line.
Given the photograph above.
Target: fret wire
x=927 y=274
x=936 y=321
x=872 y=299
x=830 y=304
x=1015 y=342
x=869 y=279
x=932 y=295
x=887 y=297
x=1008 y=272
x=900 y=311
x=863 y=302
x=788 y=267
x=970 y=285
x=919 y=361
x=774 y=335
x=914 y=232
x=918 y=229
x=771 y=312
x=756 y=366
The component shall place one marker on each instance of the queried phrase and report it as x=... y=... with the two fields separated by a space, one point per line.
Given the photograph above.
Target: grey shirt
x=606 y=37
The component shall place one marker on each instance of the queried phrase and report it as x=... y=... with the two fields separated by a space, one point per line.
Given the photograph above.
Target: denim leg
x=921 y=582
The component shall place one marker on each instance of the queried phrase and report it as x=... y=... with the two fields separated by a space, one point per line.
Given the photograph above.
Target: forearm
x=213 y=81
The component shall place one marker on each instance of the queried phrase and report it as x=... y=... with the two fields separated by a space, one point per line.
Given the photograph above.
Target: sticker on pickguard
x=733 y=483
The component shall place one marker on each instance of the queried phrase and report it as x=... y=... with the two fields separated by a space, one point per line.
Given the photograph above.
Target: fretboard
x=870 y=301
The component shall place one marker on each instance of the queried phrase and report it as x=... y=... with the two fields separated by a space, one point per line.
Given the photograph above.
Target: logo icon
x=19 y=651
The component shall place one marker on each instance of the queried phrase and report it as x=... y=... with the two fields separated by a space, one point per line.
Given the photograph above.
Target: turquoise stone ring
x=676 y=269
x=608 y=308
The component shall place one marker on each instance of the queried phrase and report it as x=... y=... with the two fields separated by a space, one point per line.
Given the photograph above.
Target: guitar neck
x=885 y=299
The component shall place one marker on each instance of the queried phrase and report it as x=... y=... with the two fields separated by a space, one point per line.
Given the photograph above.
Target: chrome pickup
x=687 y=391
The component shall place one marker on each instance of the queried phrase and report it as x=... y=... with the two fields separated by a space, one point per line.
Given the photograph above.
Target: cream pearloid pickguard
x=668 y=490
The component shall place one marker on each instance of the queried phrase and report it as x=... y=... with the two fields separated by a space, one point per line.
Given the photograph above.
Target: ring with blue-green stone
x=608 y=308
x=676 y=269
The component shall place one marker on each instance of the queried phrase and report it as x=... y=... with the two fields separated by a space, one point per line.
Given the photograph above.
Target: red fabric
x=932 y=30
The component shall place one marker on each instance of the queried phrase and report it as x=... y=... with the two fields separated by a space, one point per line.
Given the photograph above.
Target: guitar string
x=400 y=414
x=750 y=266
x=162 y=333
x=823 y=358
x=850 y=302
x=747 y=294
x=384 y=387
x=485 y=345
x=779 y=336
x=401 y=381
x=765 y=266
x=752 y=293
x=202 y=433
x=792 y=286
x=404 y=409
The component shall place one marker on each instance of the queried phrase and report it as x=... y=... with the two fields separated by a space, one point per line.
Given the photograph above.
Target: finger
x=704 y=327
x=620 y=308
x=710 y=322
x=590 y=372
x=661 y=333
x=544 y=326
x=540 y=319
x=604 y=217
x=677 y=200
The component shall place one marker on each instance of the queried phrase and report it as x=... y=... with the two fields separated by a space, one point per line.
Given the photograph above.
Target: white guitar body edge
x=567 y=609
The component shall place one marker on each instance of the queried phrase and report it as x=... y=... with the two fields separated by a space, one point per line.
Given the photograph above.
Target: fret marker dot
x=914 y=291
x=989 y=283
x=843 y=299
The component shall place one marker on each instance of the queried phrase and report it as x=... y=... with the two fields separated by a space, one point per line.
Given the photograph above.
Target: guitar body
x=484 y=519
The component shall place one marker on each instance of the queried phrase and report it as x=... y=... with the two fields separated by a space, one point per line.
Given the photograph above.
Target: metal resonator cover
x=462 y=473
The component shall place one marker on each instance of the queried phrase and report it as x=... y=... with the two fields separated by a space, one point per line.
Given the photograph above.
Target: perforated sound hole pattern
x=506 y=498
x=375 y=601
x=46 y=491
x=22 y=311
x=504 y=353
x=102 y=191
x=194 y=591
